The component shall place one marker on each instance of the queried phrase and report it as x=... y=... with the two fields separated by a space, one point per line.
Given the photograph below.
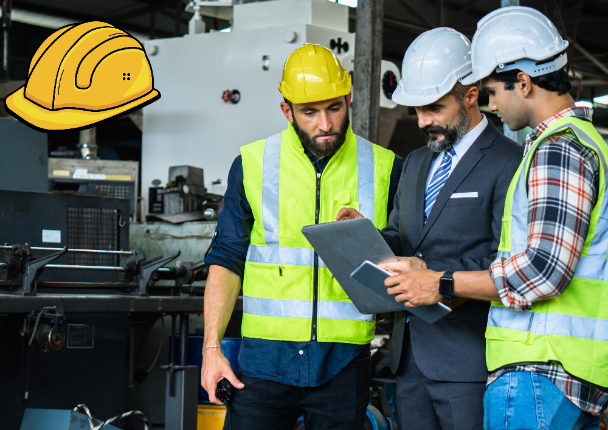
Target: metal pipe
x=184 y=321
x=6 y=24
x=104 y=268
x=172 y=343
x=90 y=251
x=131 y=354
x=80 y=267
x=366 y=80
x=590 y=57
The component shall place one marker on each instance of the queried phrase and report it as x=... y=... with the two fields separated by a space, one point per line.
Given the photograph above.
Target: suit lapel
x=461 y=171
x=425 y=166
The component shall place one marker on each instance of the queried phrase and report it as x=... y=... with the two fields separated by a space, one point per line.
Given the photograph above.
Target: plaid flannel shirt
x=563 y=186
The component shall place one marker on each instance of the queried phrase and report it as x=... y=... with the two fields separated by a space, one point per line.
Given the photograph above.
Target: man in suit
x=447 y=213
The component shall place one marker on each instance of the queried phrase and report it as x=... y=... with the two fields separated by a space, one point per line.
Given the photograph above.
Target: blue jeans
x=528 y=401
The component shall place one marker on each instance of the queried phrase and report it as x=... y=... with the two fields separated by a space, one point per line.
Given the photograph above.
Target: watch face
x=446 y=286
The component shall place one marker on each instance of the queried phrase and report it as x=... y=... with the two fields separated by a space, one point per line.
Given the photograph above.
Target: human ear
x=287 y=111
x=472 y=95
x=524 y=83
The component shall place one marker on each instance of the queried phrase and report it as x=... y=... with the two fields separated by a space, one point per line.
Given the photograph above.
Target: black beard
x=451 y=135
x=330 y=146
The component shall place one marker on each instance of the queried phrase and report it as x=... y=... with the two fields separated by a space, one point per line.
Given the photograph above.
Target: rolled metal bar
x=80 y=267
x=90 y=251
x=184 y=320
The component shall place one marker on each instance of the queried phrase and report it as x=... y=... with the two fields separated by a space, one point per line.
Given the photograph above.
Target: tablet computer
x=342 y=246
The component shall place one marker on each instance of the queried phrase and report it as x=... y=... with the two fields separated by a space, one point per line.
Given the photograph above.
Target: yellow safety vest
x=571 y=329
x=280 y=301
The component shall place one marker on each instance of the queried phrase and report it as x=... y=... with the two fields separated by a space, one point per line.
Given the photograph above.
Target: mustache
x=328 y=133
x=434 y=129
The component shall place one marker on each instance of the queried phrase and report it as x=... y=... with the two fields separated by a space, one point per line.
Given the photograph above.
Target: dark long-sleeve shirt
x=304 y=364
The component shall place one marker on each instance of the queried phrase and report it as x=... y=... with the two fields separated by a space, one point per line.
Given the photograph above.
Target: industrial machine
x=70 y=282
x=184 y=198
x=108 y=178
x=219 y=88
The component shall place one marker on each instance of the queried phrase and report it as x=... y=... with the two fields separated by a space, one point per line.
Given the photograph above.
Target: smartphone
x=371 y=276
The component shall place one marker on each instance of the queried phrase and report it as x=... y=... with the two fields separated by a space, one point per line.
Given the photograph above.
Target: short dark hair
x=557 y=81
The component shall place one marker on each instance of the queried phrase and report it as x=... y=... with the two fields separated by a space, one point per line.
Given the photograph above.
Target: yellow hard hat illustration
x=313 y=73
x=81 y=75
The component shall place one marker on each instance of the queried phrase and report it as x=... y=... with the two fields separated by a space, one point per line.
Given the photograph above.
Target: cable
x=83 y=407
x=40 y=314
x=160 y=345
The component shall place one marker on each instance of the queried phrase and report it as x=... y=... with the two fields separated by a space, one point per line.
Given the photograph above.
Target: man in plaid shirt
x=547 y=341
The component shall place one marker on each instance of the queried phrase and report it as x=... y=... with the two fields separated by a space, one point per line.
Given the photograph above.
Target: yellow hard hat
x=81 y=75
x=313 y=73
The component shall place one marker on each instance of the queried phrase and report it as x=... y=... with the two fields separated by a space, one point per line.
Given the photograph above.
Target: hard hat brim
x=317 y=97
x=47 y=120
x=404 y=99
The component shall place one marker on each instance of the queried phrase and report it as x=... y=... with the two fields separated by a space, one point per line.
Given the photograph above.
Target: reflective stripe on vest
x=302 y=309
x=270 y=189
x=555 y=324
x=571 y=329
x=282 y=255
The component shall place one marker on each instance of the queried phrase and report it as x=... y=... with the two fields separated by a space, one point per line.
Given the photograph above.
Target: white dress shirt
x=460 y=149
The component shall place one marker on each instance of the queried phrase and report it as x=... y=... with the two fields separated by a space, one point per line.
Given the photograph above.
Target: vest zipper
x=315 y=291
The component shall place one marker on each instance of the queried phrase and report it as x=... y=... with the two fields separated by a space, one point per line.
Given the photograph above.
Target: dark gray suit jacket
x=460 y=234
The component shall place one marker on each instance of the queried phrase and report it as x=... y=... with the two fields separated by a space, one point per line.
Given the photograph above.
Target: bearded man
x=305 y=349
x=447 y=214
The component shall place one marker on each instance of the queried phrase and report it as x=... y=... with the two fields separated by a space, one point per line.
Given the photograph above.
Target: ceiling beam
x=396 y=24
x=462 y=12
x=140 y=11
x=79 y=17
x=415 y=13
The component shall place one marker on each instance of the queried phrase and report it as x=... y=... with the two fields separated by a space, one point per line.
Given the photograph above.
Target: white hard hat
x=516 y=37
x=432 y=65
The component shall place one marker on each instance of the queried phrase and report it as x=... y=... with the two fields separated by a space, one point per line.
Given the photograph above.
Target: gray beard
x=451 y=135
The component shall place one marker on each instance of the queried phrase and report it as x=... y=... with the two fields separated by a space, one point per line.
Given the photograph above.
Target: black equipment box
x=56 y=220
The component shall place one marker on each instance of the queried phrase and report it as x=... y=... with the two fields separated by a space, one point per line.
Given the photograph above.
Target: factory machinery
x=76 y=306
x=77 y=303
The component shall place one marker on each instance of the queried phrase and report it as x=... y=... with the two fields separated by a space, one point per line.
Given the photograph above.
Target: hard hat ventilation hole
x=126 y=76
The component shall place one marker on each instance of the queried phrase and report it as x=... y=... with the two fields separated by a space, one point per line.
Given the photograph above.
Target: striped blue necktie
x=437 y=182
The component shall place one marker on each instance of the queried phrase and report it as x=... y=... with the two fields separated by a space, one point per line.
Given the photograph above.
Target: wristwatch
x=446 y=285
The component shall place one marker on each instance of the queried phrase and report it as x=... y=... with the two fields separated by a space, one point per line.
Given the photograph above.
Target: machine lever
x=33 y=269
x=148 y=268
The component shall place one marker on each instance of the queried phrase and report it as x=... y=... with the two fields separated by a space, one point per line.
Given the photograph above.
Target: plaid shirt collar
x=577 y=112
